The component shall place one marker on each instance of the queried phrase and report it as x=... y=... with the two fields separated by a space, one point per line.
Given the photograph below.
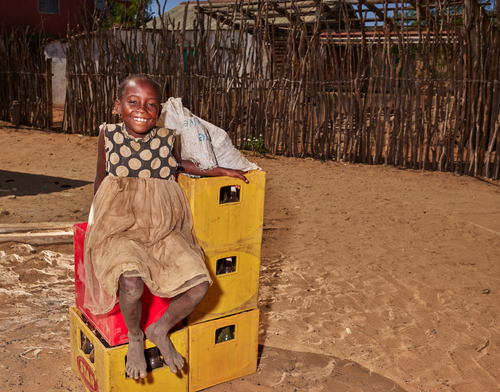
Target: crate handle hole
x=87 y=346
x=226 y=265
x=229 y=194
x=224 y=334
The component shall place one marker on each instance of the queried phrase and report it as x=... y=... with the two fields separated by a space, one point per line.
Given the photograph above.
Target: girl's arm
x=101 y=162
x=191 y=168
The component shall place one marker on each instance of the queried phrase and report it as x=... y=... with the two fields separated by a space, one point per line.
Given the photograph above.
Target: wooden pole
x=48 y=78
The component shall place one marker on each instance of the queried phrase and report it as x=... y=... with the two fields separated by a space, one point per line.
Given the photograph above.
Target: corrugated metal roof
x=225 y=8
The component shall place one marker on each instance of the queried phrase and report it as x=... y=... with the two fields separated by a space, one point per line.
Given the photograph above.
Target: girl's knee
x=198 y=292
x=131 y=287
x=204 y=287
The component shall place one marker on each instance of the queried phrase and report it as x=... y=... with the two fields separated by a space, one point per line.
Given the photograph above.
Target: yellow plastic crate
x=213 y=359
x=234 y=291
x=107 y=372
x=218 y=225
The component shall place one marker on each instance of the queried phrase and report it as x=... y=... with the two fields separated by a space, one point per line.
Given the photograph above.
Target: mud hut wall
x=56 y=52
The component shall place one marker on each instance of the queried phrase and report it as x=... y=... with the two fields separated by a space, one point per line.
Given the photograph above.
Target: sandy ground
x=372 y=278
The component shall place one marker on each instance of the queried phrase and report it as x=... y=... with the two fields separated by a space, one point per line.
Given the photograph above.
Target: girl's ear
x=118 y=107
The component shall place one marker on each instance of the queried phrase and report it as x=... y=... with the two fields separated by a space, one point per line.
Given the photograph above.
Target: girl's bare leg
x=131 y=290
x=179 y=308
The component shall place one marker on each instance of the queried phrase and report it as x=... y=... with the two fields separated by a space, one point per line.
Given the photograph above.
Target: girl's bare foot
x=171 y=357
x=180 y=306
x=136 y=362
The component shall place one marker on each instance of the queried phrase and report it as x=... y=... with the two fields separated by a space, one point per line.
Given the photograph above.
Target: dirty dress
x=140 y=222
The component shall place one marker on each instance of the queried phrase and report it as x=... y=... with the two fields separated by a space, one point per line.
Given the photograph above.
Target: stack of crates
x=220 y=338
x=224 y=328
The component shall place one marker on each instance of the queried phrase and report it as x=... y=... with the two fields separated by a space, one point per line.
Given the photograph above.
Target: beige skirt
x=143 y=227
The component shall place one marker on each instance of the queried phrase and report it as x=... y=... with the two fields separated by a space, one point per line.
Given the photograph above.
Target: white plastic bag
x=226 y=153
x=194 y=138
x=194 y=131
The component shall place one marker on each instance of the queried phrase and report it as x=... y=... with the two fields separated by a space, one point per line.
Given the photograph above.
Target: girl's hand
x=233 y=173
x=191 y=168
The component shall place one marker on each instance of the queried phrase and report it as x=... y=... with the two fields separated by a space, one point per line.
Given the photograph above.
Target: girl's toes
x=179 y=362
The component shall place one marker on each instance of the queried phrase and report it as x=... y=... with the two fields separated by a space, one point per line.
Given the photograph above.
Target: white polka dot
x=144 y=173
x=121 y=171
x=164 y=151
x=108 y=144
x=136 y=146
x=155 y=143
x=114 y=158
x=165 y=172
x=162 y=132
x=170 y=140
x=155 y=163
x=134 y=164
x=146 y=155
x=172 y=162
x=125 y=151
x=118 y=138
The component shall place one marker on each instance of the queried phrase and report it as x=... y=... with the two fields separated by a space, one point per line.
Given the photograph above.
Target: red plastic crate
x=111 y=325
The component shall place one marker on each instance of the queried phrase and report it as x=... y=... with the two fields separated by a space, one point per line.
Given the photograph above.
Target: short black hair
x=128 y=79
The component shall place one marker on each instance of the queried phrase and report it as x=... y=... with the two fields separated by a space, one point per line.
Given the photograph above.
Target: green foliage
x=127 y=13
x=255 y=144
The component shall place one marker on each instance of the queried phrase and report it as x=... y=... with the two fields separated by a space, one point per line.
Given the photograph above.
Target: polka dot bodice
x=148 y=157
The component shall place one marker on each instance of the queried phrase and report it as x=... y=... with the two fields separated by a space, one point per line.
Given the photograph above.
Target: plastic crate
x=107 y=371
x=221 y=225
x=230 y=292
x=111 y=325
x=214 y=360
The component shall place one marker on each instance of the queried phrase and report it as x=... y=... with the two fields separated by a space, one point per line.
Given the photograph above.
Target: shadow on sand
x=24 y=184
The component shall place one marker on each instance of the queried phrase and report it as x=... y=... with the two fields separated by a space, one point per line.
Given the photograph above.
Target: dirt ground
x=373 y=278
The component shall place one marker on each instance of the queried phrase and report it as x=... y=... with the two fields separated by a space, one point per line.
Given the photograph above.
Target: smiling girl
x=140 y=227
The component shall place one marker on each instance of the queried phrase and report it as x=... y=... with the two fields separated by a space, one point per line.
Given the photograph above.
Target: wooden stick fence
x=417 y=91
x=24 y=73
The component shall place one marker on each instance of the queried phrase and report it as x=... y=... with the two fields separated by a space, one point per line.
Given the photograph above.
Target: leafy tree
x=128 y=12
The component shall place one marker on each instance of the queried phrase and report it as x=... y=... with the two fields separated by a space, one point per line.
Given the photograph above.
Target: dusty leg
x=179 y=308
x=131 y=290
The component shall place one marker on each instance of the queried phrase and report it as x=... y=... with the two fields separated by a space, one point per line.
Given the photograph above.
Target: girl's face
x=139 y=107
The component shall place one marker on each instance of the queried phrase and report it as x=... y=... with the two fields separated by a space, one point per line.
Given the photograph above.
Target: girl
x=140 y=226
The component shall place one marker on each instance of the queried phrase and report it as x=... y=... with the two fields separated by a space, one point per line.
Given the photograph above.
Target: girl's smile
x=139 y=107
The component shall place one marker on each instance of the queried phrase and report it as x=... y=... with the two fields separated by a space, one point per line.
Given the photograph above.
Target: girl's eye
x=132 y=102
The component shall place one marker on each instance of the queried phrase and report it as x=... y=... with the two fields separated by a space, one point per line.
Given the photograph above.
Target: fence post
x=15 y=113
x=48 y=79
